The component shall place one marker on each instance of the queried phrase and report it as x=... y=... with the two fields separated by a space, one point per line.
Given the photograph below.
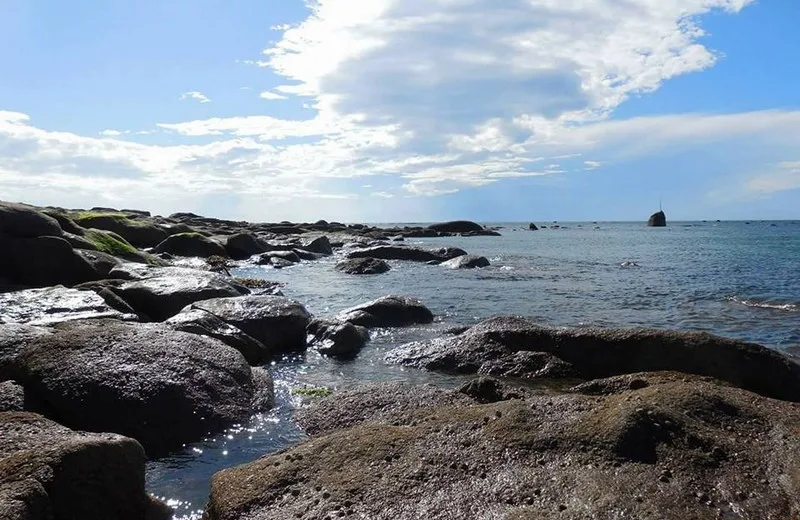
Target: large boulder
x=191 y=244
x=53 y=305
x=388 y=311
x=241 y=246
x=457 y=226
x=363 y=266
x=20 y=221
x=657 y=220
x=319 y=245
x=140 y=233
x=164 y=292
x=276 y=321
x=43 y=261
x=591 y=353
x=51 y=472
x=669 y=446
x=160 y=386
x=414 y=254
x=198 y=321
x=337 y=338
x=466 y=262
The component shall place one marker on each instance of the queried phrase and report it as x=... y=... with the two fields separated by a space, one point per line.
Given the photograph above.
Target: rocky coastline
x=113 y=351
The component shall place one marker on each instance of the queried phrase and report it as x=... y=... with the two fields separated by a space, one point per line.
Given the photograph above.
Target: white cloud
x=271 y=96
x=114 y=133
x=383 y=194
x=785 y=177
x=197 y=96
x=592 y=165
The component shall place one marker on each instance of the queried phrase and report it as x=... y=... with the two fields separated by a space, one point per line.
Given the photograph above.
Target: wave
x=779 y=306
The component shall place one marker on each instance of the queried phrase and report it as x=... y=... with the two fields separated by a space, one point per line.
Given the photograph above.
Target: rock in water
x=363 y=266
x=49 y=471
x=657 y=220
x=160 y=386
x=388 y=311
x=466 y=262
x=533 y=227
x=336 y=338
x=457 y=226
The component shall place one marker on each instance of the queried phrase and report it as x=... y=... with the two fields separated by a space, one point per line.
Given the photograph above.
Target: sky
x=404 y=110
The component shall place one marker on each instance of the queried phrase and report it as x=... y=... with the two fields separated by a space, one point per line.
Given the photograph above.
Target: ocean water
x=735 y=279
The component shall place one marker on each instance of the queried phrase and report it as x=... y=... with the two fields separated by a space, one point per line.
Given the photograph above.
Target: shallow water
x=731 y=278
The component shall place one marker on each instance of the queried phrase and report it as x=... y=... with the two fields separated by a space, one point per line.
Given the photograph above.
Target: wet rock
x=595 y=353
x=457 y=226
x=388 y=311
x=528 y=365
x=393 y=453
x=137 y=232
x=43 y=261
x=164 y=292
x=308 y=255
x=102 y=263
x=198 y=321
x=363 y=266
x=489 y=390
x=50 y=471
x=337 y=339
x=242 y=246
x=319 y=245
x=20 y=221
x=160 y=386
x=12 y=397
x=51 y=305
x=191 y=244
x=414 y=254
x=270 y=257
x=466 y=262
x=277 y=322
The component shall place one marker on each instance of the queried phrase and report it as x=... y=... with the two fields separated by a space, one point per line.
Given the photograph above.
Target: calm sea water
x=734 y=279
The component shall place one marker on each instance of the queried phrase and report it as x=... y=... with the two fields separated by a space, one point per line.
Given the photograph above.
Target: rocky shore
x=113 y=351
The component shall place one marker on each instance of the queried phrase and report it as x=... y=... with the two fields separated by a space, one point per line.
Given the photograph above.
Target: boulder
x=466 y=262
x=242 y=246
x=414 y=254
x=682 y=447
x=198 y=321
x=533 y=227
x=160 y=386
x=388 y=311
x=164 y=292
x=456 y=226
x=592 y=353
x=64 y=221
x=139 y=233
x=12 y=397
x=51 y=305
x=319 y=245
x=191 y=244
x=308 y=255
x=657 y=220
x=363 y=266
x=289 y=257
x=52 y=472
x=20 y=221
x=276 y=321
x=337 y=339
x=111 y=243
x=43 y=261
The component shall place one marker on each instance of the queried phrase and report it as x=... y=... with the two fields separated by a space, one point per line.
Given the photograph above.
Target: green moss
x=320 y=391
x=88 y=215
x=111 y=244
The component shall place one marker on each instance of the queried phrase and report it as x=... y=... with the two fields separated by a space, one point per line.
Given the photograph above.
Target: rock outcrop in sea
x=657 y=220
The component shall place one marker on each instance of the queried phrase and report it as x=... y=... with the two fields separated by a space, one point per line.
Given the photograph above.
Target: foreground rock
x=43 y=261
x=466 y=262
x=336 y=338
x=414 y=254
x=20 y=221
x=276 y=321
x=388 y=311
x=49 y=471
x=363 y=266
x=53 y=305
x=162 y=293
x=159 y=386
x=529 y=350
x=673 y=448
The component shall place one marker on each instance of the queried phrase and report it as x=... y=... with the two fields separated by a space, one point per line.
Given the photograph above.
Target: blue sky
x=407 y=110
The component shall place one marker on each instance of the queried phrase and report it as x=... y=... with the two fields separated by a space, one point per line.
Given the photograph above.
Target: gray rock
x=363 y=266
x=657 y=220
x=12 y=397
x=52 y=472
x=160 y=386
x=51 y=305
x=191 y=244
x=164 y=292
x=198 y=321
x=496 y=346
x=388 y=311
x=319 y=245
x=43 y=261
x=277 y=322
x=414 y=254
x=289 y=257
x=20 y=221
x=466 y=262
x=337 y=339
x=242 y=246
x=457 y=226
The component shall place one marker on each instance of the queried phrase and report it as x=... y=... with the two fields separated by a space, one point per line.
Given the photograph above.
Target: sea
x=734 y=279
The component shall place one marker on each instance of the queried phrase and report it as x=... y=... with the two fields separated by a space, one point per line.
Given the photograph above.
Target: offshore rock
x=466 y=262
x=337 y=339
x=388 y=311
x=363 y=266
x=657 y=220
x=414 y=254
